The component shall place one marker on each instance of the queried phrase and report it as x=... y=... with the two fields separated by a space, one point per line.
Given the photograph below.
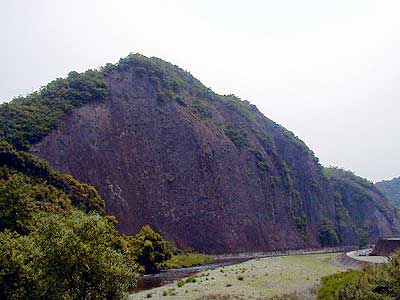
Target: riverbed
x=260 y=278
x=147 y=282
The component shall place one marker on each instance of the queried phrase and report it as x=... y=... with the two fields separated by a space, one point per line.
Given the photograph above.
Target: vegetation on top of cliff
x=355 y=193
x=379 y=282
x=279 y=156
x=163 y=75
x=26 y=120
x=391 y=189
x=338 y=174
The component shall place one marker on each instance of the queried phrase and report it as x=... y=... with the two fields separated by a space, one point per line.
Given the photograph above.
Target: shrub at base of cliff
x=50 y=246
x=150 y=248
x=332 y=283
x=66 y=257
x=381 y=282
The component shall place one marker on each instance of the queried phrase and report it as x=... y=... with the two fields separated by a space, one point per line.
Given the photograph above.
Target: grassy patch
x=187 y=260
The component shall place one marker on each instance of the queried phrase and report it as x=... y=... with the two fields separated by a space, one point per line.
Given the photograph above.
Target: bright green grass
x=187 y=260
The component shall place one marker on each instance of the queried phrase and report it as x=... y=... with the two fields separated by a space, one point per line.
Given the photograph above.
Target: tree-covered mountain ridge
x=209 y=172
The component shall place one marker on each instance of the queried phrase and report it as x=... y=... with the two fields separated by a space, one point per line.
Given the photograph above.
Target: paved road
x=369 y=259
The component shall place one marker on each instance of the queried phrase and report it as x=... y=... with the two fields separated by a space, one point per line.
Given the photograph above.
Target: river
x=147 y=282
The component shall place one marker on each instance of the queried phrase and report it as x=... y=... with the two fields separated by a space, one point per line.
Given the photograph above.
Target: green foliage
x=187 y=260
x=26 y=120
x=191 y=279
x=21 y=197
x=327 y=235
x=180 y=283
x=49 y=248
x=201 y=108
x=19 y=277
x=162 y=75
x=352 y=195
x=381 y=282
x=347 y=176
x=82 y=196
x=65 y=257
x=151 y=249
x=332 y=283
x=236 y=136
x=244 y=108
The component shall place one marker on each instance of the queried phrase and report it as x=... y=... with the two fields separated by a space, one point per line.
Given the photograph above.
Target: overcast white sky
x=327 y=70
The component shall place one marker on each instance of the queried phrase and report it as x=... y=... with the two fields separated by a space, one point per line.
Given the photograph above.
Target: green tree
x=66 y=257
x=80 y=262
x=16 y=204
x=151 y=249
x=19 y=278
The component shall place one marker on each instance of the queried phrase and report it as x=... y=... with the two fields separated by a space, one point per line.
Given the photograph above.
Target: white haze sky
x=327 y=70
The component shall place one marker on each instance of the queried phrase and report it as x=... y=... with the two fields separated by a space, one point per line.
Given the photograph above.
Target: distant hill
x=391 y=189
x=208 y=171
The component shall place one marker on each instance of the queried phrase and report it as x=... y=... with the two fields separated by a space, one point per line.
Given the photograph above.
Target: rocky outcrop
x=363 y=206
x=209 y=172
x=391 y=190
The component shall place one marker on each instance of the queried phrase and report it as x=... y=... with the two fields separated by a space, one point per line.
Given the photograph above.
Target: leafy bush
x=21 y=198
x=332 y=283
x=151 y=249
x=380 y=282
x=180 y=283
x=65 y=257
x=50 y=248
x=82 y=195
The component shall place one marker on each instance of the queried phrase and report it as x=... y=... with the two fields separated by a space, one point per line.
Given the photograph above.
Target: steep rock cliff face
x=371 y=214
x=391 y=190
x=209 y=172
